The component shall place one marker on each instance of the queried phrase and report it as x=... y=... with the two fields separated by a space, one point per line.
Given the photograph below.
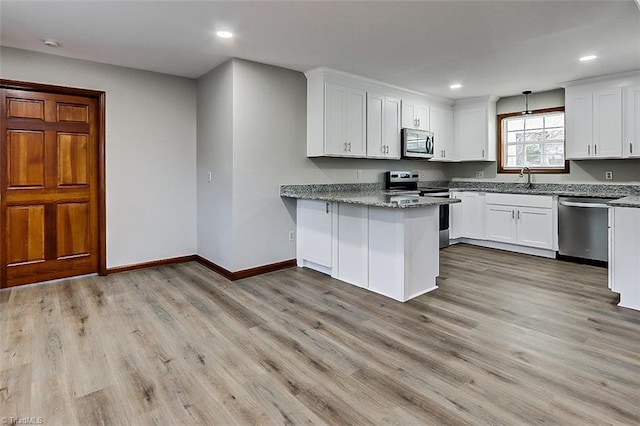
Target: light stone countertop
x=375 y=198
x=630 y=201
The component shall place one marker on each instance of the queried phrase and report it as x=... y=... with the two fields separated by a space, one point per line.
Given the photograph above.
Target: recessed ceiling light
x=224 y=34
x=50 y=42
x=455 y=86
x=588 y=58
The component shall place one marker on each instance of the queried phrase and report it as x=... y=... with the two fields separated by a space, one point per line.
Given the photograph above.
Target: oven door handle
x=588 y=205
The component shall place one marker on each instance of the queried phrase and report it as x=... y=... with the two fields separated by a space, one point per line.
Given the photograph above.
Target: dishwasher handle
x=588 y=205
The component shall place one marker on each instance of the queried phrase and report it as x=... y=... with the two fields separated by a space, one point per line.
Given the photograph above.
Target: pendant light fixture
x=526 y=94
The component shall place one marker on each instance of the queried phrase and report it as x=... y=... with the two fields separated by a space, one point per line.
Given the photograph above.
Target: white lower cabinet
x=314 y=228
x=624 y=255
x=390 y=251
x=351 y=236
x=467 y=217
x=525 y=220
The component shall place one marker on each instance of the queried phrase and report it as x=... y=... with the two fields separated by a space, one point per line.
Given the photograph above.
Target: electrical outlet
x=608 y=175
x=291 y=235
x=209 y=176
x=359 y=174
x=479 y=174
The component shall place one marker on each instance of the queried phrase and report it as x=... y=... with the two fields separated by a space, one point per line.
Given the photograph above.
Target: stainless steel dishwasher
x=583 y=228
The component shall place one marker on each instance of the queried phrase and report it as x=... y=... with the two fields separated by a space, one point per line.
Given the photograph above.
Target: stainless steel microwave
x=417 y=143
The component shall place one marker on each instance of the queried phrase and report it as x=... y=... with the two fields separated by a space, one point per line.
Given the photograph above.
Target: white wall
x=624 y=171
x=215 y=155
x=150 y=151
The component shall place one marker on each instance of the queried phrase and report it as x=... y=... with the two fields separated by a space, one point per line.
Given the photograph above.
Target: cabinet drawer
x=523 y=200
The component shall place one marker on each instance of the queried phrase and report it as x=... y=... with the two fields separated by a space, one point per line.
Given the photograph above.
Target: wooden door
x=49 y=211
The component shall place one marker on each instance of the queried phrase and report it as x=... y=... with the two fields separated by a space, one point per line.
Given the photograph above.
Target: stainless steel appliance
x=406 y=182
x=583 y=227
x=417 y=143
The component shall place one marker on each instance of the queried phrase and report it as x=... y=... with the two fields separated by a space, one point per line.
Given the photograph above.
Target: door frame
x=100 y=97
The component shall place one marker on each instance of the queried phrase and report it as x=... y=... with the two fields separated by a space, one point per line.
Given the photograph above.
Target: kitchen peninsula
x=360 y=234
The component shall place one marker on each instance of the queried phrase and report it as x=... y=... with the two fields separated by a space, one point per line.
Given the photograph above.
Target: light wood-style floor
x=507 y=339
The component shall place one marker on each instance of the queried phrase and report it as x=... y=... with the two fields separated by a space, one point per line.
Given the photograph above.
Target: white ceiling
x=492 y=47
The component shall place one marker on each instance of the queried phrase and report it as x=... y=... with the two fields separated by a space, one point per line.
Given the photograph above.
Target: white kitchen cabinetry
x=525 y=220
x=383 y=126
x=441 y=122
x=593 y=115
x=345 y=121
x=415 y=114
x=467 y=217
x=624 y=255
x=474 y=129
x=631 y=108
x=403 y=251
x=315 y=229
x=351 y=237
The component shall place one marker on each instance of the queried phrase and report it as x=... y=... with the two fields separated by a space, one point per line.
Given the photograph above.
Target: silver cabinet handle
x=483 y=153
x=518 y=215
x=418 y=122
x=630 y=147
x=444 y=152
x=349 y=146
x=588 y=149
x=327 y=208
x=513 y=214
x=587 y=205
x=595 y=149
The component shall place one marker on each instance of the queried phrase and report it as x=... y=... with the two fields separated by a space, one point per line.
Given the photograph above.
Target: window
x=535 y=141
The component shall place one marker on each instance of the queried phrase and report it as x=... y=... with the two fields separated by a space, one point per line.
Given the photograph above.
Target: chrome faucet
x=528 y=170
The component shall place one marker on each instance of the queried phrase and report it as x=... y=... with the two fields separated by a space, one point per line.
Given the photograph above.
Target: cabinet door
x=314 y=228
x=352 y=243
x=500 y=223
x=607 y=123
x=356 y=123
x=625 y=260
x=535 y=227
x=335 y=125
x=391 y=127
x=472 y=220
x=441 y=122
x=631 y=140
x=579 y=119
x=375 y=123
x=386 y=252
x=422 y=117
x=470 y=134
x=409 y=114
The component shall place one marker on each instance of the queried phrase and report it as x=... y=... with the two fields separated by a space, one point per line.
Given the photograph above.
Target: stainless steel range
x=406 y=183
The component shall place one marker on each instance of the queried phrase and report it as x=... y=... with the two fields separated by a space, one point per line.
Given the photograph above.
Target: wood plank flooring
x=506 y=339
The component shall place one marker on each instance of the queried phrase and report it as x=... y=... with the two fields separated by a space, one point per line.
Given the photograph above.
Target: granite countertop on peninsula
x=630 y=201
x=367 y=194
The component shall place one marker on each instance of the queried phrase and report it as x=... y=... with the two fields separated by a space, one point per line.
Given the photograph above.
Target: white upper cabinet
x=441 y=122
x=474 y=129
x=415 y=114
x=631 y=138
x=352 y=116
x=383 y=126
x=344 y=127
x=602 y=117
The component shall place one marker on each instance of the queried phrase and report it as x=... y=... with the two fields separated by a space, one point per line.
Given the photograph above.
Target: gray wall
x=579 y=171
x=215 y=154
x=150 y=151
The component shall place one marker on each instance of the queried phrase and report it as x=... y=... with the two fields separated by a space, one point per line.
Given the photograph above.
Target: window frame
x=502 y=169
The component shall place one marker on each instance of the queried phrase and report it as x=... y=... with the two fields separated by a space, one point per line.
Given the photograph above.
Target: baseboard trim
x=245 y=273
x=153 y=263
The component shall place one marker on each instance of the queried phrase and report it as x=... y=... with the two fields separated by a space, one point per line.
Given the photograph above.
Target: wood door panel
x=26 y=234
x=71 y=112
x=51 y=180
x=72 y=230
x=25 y=159
x=25 y=108
x=73 y=159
